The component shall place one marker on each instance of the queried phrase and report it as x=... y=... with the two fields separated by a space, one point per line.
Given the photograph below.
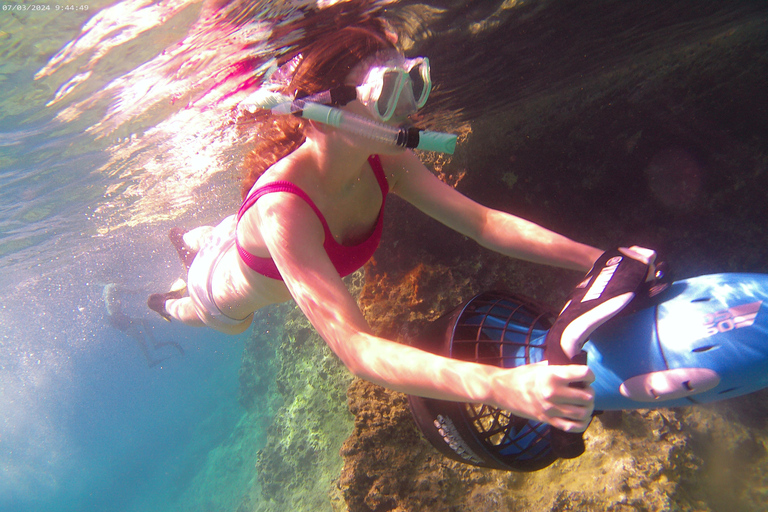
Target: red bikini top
x=346 y=258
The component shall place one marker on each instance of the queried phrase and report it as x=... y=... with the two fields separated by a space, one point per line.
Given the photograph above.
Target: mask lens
x=417 y=82
x=389 y=85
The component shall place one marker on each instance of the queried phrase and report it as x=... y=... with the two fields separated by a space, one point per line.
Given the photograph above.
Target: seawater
x=85 y=423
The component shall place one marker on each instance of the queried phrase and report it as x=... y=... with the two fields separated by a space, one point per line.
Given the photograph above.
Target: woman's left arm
x=494 y=229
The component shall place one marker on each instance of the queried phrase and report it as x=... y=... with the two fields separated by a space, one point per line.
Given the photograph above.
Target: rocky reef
x=689 y=460
x=300 y=460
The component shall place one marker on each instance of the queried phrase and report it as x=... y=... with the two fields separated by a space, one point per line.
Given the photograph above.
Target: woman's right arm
x=294 y=237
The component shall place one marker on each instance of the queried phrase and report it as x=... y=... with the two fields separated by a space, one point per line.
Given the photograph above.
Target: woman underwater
x=315 y=215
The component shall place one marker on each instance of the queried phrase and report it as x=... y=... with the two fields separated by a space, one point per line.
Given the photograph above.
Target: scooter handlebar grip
x=566 y=445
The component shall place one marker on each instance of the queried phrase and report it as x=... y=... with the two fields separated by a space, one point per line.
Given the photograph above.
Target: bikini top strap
x=282 y=186
x=287 y=186
x=378 y=170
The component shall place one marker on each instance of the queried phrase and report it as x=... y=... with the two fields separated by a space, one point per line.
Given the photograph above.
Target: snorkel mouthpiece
x=436 y=141
x=404 y=137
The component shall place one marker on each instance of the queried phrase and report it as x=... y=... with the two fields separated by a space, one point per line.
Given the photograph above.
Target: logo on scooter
x=452 y=438
x=602 y=279
x=731 y=318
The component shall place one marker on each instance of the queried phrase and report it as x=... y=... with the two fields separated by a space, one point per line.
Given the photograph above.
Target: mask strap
x=343 y=94
x=338 y=96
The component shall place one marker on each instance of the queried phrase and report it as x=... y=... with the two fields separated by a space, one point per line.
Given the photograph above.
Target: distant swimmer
x=136 y=328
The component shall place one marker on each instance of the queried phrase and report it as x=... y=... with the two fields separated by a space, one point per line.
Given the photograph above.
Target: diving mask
x=402 y=80
x=397 y=82
x=385 y=87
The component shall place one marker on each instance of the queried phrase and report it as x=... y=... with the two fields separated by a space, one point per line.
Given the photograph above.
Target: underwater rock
x=300 y=459
x=734 y=473
x=674 y=179
x=258 y=368
x=388 y=466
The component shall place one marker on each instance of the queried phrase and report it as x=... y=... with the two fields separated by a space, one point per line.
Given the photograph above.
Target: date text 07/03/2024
x=45 y=7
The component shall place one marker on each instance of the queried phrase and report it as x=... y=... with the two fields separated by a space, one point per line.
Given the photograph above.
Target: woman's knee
x=184 y=310
x=195 y=238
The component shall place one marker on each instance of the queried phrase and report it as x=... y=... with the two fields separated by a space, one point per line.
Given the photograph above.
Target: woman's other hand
x=544 y=393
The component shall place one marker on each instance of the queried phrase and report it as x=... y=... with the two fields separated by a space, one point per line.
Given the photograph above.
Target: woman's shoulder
x=280 y=170
x=397 y=166
x=288 y=168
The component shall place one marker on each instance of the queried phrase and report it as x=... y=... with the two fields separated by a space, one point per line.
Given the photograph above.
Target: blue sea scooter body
x=707 y=341
x=704 y=339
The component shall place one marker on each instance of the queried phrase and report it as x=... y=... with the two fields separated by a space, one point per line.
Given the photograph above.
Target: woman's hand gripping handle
x=608 y=287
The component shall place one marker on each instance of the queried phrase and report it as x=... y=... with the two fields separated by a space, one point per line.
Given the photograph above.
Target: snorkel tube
x=403 y=137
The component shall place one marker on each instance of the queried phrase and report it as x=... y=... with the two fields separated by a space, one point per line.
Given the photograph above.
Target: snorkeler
x=313 y=213
x=136 y=328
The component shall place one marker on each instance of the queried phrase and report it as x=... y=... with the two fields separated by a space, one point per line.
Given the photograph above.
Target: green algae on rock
x=299 y=463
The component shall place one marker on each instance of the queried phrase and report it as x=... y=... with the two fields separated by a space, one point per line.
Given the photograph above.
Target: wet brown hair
x=326 y=63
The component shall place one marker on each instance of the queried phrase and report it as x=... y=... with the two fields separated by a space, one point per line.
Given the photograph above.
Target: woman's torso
x=351 y=209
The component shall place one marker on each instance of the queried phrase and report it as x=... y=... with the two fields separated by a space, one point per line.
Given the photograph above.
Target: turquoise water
x=85 y=424
x=117 y=123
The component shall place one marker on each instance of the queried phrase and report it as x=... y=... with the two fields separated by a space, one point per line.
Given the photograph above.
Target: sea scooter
x=704 y=339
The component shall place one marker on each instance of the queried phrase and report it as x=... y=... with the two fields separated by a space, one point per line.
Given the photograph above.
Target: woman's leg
x=184 y=310
x=189 y=243
x=207 y=251
x=195 y=238
x=157 y=301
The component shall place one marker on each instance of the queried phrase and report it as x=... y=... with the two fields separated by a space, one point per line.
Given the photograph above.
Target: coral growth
x=300 y=460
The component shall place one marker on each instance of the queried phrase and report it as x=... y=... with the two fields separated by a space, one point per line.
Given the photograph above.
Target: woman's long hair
x=325 y=64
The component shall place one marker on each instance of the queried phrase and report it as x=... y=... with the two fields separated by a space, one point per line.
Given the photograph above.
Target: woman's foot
x=156 y=302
